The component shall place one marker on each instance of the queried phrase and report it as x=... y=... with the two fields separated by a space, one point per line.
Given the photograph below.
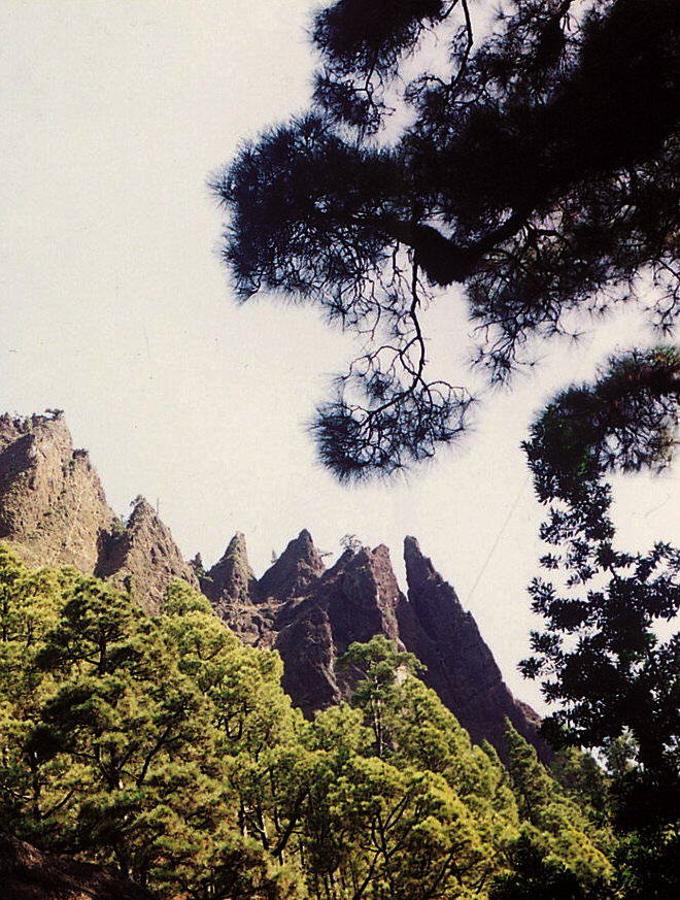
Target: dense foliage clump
x=527 y=151
x=608 y=655
x=166 y=748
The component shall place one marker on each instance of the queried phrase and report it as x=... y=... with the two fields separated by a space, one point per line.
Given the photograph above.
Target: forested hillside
x=165 y=749
x=53 y=511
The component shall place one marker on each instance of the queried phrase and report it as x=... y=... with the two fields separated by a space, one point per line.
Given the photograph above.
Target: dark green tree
x=535 y=875
x=119 y=733
x=607 y=655
x=532 y=159
x=418 y=734
x=554 y=819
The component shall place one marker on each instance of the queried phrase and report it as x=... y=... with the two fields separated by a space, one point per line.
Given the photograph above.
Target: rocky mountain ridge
x=359 y=596
x=53 y=510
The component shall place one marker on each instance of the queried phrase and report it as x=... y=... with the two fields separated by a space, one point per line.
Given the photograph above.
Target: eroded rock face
x=294 y=571
x=460 y=665
x=358 y=598
x=231 y=578
x=232 y=588
x=53 y=511
x=52 y=506
x=143 y=558
x=353 y=601
x=27 y=873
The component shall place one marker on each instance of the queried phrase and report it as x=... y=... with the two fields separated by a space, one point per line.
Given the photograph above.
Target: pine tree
x=532 y=160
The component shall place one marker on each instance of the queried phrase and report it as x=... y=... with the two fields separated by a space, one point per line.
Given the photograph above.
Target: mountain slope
x=53 y=511
x=52 y=504
x=27 y=873
x=360 y=597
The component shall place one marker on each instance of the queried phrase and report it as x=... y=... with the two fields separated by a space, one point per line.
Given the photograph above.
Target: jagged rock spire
x=197 y=565
x=231 y=578
x=418 y=567
x=52 y=506
x=294 y=571
x=460 y=665
x=53 y=511
x=433 y=599
x=143 y=558
x=353 y=601
x=234 y=593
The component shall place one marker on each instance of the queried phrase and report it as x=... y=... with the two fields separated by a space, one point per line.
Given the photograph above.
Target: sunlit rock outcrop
x=53 y=511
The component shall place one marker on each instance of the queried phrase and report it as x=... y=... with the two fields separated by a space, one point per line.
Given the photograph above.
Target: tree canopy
x=166 y=749
x=530 y=157
x=608 y=654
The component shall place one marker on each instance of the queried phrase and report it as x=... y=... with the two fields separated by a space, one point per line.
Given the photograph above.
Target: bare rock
x=27 y=873
x=52 y=506
x=460 y=666
x=353 y=601
x=232 y=588
x=143 y=558
x=53 y=511
x=293 y=573
x=231 y=579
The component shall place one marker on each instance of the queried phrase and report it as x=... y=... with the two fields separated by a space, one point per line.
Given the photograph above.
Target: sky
x=116 y=308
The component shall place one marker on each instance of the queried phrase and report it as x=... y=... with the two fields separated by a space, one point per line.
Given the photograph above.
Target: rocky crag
x=311 y=615
x=53 y=511
x=52 y=504
x=143 y=558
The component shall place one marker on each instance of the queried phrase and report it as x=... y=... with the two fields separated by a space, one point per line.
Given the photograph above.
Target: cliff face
x=52 y=505
x=53 y=511
x=353 y=601
x=231 y=579
x=294 y=571
x=460 y=666
x=143 y=558
x=233 y=590
x=358 y=598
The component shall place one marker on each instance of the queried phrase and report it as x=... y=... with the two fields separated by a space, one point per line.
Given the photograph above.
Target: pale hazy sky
x=116 y=309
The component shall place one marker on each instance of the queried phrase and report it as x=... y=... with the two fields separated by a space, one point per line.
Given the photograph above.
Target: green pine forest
x=167 y=750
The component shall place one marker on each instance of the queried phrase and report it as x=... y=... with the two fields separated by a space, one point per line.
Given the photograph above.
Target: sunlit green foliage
x=166 y=748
